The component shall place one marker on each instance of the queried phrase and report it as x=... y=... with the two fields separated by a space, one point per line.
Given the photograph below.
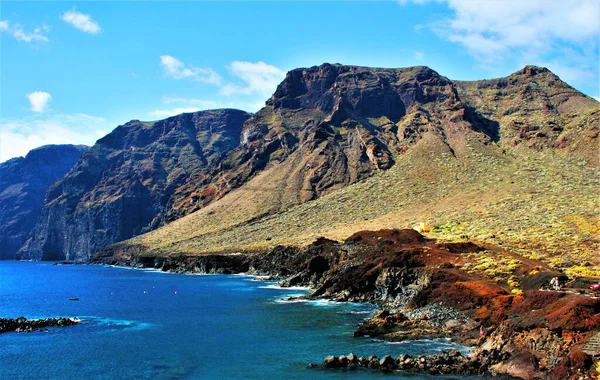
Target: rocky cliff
x=324 y=129
x=126 y=183
x=23 y=184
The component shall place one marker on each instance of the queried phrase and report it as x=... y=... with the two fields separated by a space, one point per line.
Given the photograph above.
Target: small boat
x=74 y=299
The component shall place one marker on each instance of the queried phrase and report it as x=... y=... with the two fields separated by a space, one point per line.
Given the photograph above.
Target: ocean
x=142 y=324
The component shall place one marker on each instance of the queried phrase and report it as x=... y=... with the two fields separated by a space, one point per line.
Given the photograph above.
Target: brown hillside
x=454 y=156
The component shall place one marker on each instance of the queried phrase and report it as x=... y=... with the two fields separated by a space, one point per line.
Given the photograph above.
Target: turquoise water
x=150 y=325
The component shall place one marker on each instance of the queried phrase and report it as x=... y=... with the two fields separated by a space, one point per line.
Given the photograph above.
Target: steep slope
x=124 y=184
x=457 y=166
x=23 y=184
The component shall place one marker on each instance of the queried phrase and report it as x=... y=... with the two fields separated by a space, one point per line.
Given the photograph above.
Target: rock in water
x=23 y=324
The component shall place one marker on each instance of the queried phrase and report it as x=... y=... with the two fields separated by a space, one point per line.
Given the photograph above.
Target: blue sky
x=70 y=72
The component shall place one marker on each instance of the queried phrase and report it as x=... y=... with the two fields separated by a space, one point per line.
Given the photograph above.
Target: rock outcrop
x=23 y=185
x=23 y=324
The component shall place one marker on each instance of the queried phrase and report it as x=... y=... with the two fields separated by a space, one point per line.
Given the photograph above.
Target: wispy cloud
x=197 y=102
x=174 y=68
x=172 y=111
x=183 y=105
x=19 y=136
x=34 y=38
x=81 y=21
x=39 y=100
x=249 y=84
x=419 y=55
x=532 y=31
x=257 y=78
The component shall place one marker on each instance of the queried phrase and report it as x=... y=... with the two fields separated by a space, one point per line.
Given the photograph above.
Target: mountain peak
x=532 y=70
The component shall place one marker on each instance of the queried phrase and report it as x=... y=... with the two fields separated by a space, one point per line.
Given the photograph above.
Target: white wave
x=318 y=302
x=356 y=312
x=278 y=287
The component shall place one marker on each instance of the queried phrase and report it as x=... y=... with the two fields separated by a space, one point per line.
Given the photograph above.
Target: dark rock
x=387 y=362
x=331 y=362
x=22 y=324
x=352 y=358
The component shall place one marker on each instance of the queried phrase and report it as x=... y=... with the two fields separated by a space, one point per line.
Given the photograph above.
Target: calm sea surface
x=150 y=325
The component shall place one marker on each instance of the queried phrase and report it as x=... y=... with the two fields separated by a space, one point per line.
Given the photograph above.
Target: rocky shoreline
x=23 y=324
x=423 y=293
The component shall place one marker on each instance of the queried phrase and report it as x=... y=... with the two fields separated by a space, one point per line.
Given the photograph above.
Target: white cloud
x=251 y=84
x=194 y=105
x=419 y=55
x=172 y=112
x=19 y=136
x=507 y=34
x=259 y=78
x=81 y=21
x=39 y=100
x=37 y=36
x=198 y=102
x=176 y=69
x=492 y=29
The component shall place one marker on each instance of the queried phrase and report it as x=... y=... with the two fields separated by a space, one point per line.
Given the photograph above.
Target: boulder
x=331 y=362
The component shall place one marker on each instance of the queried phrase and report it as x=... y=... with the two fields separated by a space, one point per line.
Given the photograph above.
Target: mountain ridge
x=330 y=126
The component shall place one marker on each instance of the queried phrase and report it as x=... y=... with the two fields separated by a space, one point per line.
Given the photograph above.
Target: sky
x=70 y=72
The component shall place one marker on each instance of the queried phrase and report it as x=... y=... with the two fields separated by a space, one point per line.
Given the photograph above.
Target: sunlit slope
x=542 y=204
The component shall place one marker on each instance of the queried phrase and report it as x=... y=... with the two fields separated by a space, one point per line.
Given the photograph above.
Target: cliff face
x=23 y=184
x=121 y=187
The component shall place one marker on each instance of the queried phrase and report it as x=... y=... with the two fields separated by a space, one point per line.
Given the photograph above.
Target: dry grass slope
x=542 y=205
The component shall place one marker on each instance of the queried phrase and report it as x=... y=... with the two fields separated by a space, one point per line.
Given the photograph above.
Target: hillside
x=509 y=161
x=23 y=184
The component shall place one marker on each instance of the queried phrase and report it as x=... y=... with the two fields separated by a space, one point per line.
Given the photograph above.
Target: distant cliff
x=23 y=184
x=124 y=184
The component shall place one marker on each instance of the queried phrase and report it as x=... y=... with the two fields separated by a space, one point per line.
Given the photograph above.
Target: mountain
x=23 y=184
x=337 y=149
x=133 y=180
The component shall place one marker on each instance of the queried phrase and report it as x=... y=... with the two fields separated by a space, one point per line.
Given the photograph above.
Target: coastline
x=422 y=292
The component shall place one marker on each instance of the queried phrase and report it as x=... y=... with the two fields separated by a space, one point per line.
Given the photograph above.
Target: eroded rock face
x=126 y=183
x=23 y=184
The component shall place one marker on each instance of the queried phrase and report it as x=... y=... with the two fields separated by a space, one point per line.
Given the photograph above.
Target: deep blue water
x=150 y=325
